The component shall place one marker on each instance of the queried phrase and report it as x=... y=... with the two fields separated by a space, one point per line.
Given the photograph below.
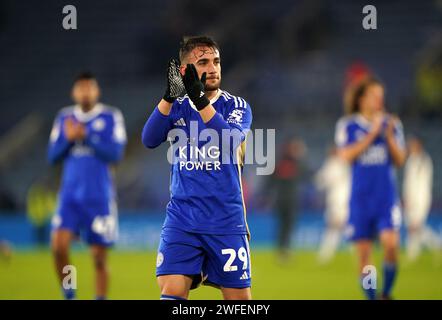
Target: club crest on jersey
x=235 y=116
x=99 y=124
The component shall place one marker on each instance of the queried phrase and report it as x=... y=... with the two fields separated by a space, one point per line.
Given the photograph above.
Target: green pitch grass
x=30 y=275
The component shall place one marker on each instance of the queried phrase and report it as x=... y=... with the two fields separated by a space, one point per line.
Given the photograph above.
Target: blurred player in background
x=88 y=138
x=417 y=192
x=372 y=141
x=333 y=178
x=205 y=234
x=289 y=171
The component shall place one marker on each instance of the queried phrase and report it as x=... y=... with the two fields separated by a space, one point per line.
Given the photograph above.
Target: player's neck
x=211 y=94
x=367 y=115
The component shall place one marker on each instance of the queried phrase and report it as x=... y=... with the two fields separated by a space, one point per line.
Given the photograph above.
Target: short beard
x=86 y=106
x=209 y=87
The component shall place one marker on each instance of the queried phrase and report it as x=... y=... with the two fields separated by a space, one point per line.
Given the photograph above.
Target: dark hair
x=190 y=43
x=357 y=91
x=87 y=75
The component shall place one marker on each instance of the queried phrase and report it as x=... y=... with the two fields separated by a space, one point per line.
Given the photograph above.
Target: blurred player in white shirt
x=333 y=178
x=417 y=187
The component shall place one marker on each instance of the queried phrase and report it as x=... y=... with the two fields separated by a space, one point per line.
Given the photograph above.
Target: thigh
x=363 y=251
x=99 y=222
x=227 y=262
x=236 y=293
x=389 y=239
x=363 y=248
x=174 y=286
x=61 y=240
x=99 y=254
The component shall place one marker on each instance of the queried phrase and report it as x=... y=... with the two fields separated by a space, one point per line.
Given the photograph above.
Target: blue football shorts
x=366 y=221
x=216 y=260
x=95 y=221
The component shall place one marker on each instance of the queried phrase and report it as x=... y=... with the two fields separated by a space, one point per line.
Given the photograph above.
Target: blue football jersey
x=373 y=172
x=205 y=193
x=86 y=164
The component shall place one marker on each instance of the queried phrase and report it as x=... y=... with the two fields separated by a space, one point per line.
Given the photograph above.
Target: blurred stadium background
x=290 y=59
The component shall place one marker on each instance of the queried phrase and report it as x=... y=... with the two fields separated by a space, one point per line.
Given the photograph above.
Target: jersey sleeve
x=237 y=116
x=399 y=135
x=58 y=145
x=344 y=133
x=240 y=116
x=236 y=121
x=119 y=134
x=156 y=128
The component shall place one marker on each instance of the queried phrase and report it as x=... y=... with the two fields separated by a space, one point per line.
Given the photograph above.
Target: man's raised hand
x=195 y=87
x=175 y=86
x=73 y=130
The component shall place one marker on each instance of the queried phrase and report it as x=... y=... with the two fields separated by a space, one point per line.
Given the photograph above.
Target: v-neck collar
x=86 y=116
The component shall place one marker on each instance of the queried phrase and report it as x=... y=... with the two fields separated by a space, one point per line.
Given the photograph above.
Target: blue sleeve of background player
x=238 y=119
x=399 y=135
x=156 y=129
x=345 y=133
x=109 y=146
x=59 y=146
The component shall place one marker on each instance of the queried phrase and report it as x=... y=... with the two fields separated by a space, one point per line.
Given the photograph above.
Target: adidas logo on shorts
x=244 y=276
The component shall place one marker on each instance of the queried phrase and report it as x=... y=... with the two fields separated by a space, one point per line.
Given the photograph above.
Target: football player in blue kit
x=373 y=142
x=205 y=237
x=88 y=138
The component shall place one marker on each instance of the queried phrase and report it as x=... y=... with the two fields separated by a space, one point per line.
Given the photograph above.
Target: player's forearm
x=156 y=128
x=207 y=113
x=351 y=152
x=214 y=120
x=110 y=152
x=58 y=150
x=165 y=107
x=397 y=153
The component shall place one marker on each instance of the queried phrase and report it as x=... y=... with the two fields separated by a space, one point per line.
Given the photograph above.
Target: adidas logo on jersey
x=244 y=276
x=180 y=123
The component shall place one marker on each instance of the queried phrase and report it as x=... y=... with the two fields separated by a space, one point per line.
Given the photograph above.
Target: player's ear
x=182 y=70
